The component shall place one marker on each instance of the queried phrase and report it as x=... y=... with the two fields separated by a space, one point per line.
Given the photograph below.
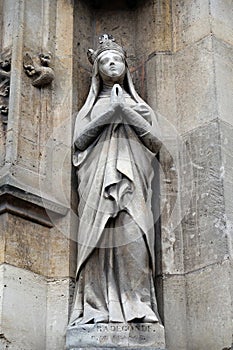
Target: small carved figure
x=4 y=109
x=5 y=88
x=5 y=65
x=5 y=68
x=116 y=138
x=41 y=72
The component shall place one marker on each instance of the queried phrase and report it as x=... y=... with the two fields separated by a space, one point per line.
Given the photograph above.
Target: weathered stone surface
x=31 y=303
x=170 y=209
x=58 y=300
x=153 y=27
x=24 y=249
x=3 y=225
x=223 y=59
x=209 y=313
x=194 y=68
x=118 y=335
x=174 y=289
x=191 y=22
x=204 y=242
x=23 y=308
x=161 y=90
x=173 y=87
x=226 y=174
x=122 y=348
x=221 y=20
x=7 y=21
x=37 y=248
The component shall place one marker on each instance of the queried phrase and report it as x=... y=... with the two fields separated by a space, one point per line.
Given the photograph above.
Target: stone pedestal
x=115 y=336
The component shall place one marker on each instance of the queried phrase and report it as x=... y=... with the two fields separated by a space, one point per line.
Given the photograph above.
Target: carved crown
x=106 y=42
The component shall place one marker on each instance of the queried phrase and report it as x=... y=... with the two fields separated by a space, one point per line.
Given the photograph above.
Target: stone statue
x=116 y=138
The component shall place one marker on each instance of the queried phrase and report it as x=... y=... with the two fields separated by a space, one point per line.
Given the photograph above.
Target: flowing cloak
x=114 y=175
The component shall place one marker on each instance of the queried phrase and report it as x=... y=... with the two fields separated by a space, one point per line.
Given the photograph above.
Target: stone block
x=64 y=29
x=223 y=58
x=226 y=174
x=58 y=305
x=194 y=76
x=8 y=17
x=181 y=87
x=33 y=22
x=153 y=27
x=2 y=147
x=107 y=21
x=209 y=313
x=37 y=248
x=26 y=245
x=191 y=22
x=82 y=78
x=3 y=225
x=59 y=254
x=116 y=335
x=170 y=204
x=23 y=309
x=83 y=31
x=174 y=311
x=161 y=92
x=139 y=79
x=221 y=20
x=204 y=242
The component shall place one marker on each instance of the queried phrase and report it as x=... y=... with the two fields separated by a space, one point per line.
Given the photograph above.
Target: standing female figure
x=116 y=138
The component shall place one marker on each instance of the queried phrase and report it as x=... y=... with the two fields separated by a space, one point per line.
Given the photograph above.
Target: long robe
x=116 y=237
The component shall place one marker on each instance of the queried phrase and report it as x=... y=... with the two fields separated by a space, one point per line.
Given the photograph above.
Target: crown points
x=106 y=42
x=106 y=37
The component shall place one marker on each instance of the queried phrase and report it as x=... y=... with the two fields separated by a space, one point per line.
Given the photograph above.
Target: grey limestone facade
x=180 y=54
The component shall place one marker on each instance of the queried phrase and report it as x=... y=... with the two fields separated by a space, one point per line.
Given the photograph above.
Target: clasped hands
x=121 y=110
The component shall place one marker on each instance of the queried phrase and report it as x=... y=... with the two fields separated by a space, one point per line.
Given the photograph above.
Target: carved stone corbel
x=5 y=71
x=38 y=69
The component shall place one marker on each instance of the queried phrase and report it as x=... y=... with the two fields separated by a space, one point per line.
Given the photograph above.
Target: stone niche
x=144 y=29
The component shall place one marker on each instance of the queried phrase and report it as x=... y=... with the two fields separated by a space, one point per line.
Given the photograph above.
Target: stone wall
x=180 y=56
